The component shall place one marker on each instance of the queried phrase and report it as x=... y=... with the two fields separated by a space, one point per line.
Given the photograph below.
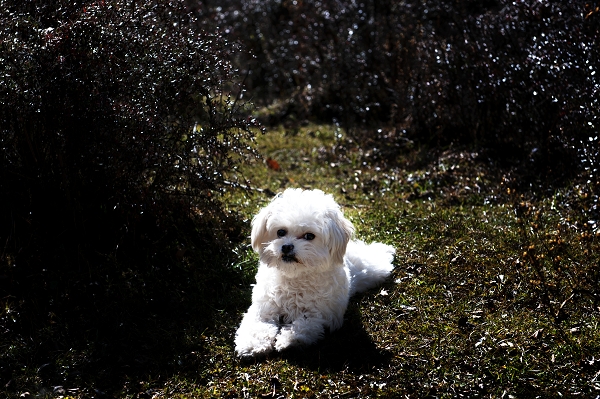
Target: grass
x=495 y=293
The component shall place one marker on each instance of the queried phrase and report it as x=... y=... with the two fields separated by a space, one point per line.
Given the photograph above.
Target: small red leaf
x=273 y=164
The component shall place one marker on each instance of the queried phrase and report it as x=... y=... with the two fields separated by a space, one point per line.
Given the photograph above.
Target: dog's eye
x=281 y=233
x=309 y=236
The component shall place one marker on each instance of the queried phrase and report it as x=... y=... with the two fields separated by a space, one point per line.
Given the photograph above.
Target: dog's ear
x=341 y=231
x=259 y=229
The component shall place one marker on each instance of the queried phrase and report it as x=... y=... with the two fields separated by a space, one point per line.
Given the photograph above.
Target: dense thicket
x=118 y=122
x=112 y=110
x=516 y=75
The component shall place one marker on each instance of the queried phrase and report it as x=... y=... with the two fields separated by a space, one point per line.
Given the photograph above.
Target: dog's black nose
x=287 y=248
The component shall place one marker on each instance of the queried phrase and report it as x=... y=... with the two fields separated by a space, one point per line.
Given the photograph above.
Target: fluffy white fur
x=309 y=267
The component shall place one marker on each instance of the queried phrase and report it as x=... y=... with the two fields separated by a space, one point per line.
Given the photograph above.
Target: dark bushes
x=118 y=123
x=113 y=110
x=510 y=75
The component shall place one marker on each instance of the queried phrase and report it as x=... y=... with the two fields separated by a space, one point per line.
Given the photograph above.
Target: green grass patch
x=495 y=292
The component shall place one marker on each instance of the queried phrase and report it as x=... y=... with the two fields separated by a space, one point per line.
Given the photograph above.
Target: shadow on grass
x=103 y=325
x=108 y=344
x=348 y=349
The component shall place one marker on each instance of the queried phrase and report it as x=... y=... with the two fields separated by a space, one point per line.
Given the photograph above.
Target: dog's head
x=301 y=230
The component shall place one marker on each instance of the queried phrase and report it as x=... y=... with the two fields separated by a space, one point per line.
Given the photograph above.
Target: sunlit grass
x=480 y=303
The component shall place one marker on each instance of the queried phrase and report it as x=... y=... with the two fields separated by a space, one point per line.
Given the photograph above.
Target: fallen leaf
x=273 y=164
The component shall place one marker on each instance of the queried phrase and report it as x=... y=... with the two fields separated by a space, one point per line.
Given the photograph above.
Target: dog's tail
x=369 y=264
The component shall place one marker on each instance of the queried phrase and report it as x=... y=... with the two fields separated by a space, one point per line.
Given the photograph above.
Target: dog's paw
x=253 y=347
x=256 y=340
x=285 y=339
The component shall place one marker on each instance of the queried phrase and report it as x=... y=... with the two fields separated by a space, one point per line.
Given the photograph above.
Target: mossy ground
x=495 y=291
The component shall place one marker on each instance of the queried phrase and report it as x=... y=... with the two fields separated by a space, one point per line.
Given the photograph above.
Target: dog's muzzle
x=288 y=253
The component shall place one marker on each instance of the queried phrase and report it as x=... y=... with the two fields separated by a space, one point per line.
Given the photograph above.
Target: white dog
x=309 y=267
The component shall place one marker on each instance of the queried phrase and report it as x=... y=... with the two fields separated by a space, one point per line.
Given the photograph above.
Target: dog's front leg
x=255 y=336
x=304 y=330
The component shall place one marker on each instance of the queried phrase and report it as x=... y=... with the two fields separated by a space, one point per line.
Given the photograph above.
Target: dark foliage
x=118 y=123
x=511 y=75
